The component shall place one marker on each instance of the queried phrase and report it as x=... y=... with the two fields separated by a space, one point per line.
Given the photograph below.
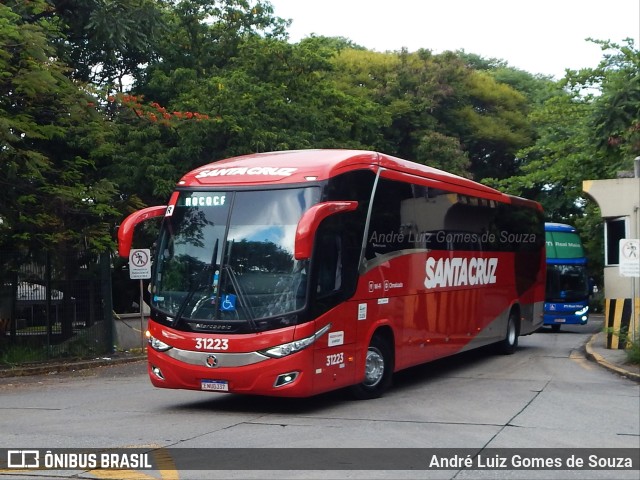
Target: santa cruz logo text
x=455 y=272
x=270 y=171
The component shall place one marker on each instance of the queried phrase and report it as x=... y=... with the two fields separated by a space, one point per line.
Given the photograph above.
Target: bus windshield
x=225 y=260
x=567 y=283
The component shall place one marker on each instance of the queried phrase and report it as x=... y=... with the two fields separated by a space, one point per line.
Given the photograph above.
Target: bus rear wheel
x=510 y=342
x=378 y=370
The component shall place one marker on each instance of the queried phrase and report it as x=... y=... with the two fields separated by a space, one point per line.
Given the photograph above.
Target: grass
x=632 y=349
x=12 y=355
x=633 y=352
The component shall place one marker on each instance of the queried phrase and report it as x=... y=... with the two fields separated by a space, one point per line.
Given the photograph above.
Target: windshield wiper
x=242 y=297
x=198 y=287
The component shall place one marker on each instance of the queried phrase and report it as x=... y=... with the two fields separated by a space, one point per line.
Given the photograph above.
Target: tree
x=407 y=88
x=441 y=112
x=271 y=95
x=615 y=120
x=589 y=129
x=536 y=87
x=103 y=41
x=199 y=39
x=53 y=196
x=192 y=72
x=491 y=122
x=554 y=167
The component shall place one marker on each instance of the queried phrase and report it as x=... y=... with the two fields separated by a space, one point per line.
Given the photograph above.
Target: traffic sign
x=629 y=257
x=140 y=264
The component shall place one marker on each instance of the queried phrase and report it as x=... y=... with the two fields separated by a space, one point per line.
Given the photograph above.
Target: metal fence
x=54 y=306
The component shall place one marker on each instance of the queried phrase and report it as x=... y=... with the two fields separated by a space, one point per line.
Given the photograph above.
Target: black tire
x=510 y=342
x=378 y=370
x=555 y=328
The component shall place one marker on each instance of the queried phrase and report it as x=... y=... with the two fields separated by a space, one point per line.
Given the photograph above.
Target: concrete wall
x=619 y=197
x=129 y=332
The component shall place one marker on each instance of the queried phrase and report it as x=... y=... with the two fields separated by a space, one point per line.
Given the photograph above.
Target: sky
x=538 y=36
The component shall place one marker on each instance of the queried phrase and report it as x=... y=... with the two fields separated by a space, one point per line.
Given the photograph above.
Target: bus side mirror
x=310 y=221
x=125 y=232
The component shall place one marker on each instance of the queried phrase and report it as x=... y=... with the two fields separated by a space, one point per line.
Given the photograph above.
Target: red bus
x=299 y=272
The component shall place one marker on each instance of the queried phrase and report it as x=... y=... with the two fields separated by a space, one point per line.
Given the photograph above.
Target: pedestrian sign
x=630 y=257
x=140 y=264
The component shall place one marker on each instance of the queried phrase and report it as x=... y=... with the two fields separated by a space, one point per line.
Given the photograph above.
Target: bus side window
x=392 y=220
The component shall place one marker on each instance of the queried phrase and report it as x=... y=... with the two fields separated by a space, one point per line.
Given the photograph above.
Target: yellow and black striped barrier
x=621 y=321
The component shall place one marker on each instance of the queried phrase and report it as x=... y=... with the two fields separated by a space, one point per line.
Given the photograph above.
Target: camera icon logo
x=23 y=459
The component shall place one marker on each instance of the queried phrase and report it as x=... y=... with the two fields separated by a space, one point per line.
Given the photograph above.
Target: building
x=619 y=202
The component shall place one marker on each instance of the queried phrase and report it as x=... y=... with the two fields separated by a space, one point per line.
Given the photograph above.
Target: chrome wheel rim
x=374 y=367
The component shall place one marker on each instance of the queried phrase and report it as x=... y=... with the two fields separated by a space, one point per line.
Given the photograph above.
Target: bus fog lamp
x=285 y=379
x=157 y=372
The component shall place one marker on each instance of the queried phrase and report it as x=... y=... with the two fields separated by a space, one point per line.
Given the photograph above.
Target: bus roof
x=300 y=166
x=559 y=227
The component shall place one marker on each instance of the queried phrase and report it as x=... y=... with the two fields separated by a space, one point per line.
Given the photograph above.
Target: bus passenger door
x=333 y=278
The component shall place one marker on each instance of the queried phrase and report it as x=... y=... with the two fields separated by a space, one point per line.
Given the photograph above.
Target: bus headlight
x=582 y=311
x=158 y=345
x=295 y=346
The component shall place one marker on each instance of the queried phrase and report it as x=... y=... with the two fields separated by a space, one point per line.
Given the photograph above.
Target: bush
x=632 y=345
x=633 y=352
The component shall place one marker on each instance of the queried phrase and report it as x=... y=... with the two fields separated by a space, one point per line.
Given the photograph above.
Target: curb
x=53 y=368
x=599 y=359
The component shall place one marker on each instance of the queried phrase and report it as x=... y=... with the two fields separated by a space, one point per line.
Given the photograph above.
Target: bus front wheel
x=378 y=370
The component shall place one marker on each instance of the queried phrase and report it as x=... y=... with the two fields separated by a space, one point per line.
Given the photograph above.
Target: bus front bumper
x=181 y=369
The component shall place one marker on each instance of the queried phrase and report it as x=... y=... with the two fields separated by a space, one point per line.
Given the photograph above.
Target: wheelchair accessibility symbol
x=228 y=303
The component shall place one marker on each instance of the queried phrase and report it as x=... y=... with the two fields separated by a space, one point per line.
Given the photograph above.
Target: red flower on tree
x=152 y=111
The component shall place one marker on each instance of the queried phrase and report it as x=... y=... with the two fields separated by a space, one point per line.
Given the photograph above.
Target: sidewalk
x=71 y=366
x=614 y=360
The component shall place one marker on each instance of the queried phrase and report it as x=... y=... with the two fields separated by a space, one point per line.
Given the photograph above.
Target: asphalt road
x=546 y=395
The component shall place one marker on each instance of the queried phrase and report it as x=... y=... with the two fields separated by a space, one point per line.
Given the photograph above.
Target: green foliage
x=493 y=125
x=200 y=38
x=446 y=153
x=438 y=110
x=583 y=135
x=554 y=167
x=13 y=355
x=52 y=193
x=591 y=229
x=616 y=115
x=630 y=341
x=587 y=131
x=103 y=41
x=633 y=352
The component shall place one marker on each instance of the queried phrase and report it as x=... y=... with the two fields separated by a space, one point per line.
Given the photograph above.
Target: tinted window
x=338 y=241
x=410 y=216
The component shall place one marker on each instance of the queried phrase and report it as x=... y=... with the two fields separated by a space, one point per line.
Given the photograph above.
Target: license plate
x=561 y=320
x=215 y=385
